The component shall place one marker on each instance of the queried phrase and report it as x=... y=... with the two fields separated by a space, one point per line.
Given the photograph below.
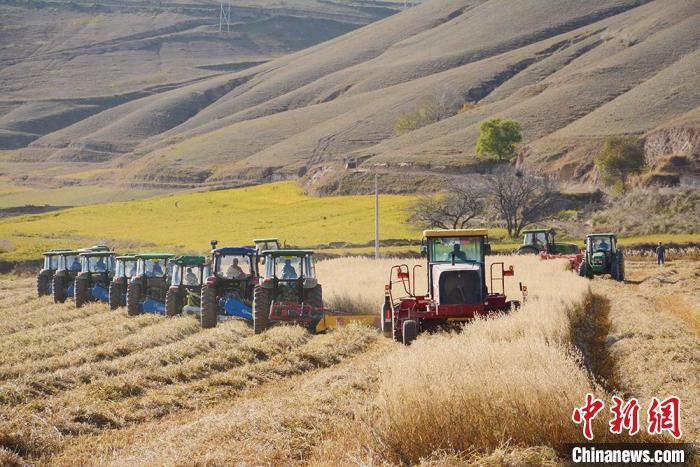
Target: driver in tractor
x=75 y=265
x=100 y=266
x=191 y=277
x=288 y=271
x=457 y=252
x=234 y=271
x=155 y=271
x=603 y=246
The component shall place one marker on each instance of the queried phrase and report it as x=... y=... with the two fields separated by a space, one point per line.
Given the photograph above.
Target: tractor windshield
x=187 y=275
x=97 y=263
x=233 y=266
x=600 y=244
x=153 y=267
x=69 y=262
x=51 y=262
x=536 y=238
x=464 y=249
x=126 y=268
x=293 y=267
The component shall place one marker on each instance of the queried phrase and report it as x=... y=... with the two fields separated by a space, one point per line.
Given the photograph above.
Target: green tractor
x=68 y=268
x=96 y=272
x=288 y=290
x=45 y=276
x=536 y=241
x=188 y=274
x=602 y=257
x=125 y=269
x=146 y=290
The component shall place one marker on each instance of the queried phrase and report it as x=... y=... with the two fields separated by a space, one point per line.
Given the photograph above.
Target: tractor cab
x=188 y=275
x=228 y=291
x=288 y=289
x=603 y=257
x=146 y=290
x=457 y=286
x=536 y=241
x=49 y=268
x=96 y=272
x=266 y=244
x=125 y=269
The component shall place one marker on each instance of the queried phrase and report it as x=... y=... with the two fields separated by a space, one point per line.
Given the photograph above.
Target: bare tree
x=455 y=210
x=520 y=198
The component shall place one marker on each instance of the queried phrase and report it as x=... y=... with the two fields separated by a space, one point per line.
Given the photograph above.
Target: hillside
x=571 y=72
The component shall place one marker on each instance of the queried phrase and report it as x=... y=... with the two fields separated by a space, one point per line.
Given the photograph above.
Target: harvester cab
x=68 y=268
x=603 y=257
x=184 y=294
x=96 y=272
x=536 y=241
x=266 y=244
x=456 y=292
x=45 y=275
x=228 y=291
x=288 y=291
x=125 y=269
x=146 y=290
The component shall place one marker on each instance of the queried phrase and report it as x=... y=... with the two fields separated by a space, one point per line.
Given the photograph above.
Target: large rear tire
x=173 y=307
x=315 y=297
x=409 y=331
x=133 y=299
x=43 y=283
x=617 y=269
x=528 y=250
x=583 y=269
x=59 y=289
x=209 y=316
x=80 y=291
x=115 y=295
x=261 y=308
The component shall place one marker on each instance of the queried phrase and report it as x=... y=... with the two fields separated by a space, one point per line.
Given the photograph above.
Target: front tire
x=115 y=295
x=173 y=307
x=80 y=291
x=409 y=331
x=261 y=308
x=209 y=316
x=43 y=284
x=133 y=299
x=59 y=289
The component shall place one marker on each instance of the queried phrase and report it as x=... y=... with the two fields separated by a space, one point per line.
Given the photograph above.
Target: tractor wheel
x=315 y=297
x=209 y=313
x=173 y=307
x=261 y=308
x=80 y=291
x=617 y=269
x=133 y=299
x=115 y=295
x=622 y=266
x=43 y=284
x=528 y=250
x=583 y=269
x=409 y=331
x=382 y=318
x=59 y=289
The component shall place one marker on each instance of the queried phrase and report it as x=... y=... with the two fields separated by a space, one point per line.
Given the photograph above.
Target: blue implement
x=100 y=292
x=153 y=306
x=231 y=306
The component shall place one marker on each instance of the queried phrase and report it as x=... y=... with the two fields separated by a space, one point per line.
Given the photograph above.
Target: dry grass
x=499 y=393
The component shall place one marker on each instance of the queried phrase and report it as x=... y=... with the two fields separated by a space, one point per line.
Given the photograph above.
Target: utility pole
x=376 y=216
x=225 y=16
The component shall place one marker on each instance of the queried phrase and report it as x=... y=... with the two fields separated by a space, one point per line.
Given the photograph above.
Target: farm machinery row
x=264 y=284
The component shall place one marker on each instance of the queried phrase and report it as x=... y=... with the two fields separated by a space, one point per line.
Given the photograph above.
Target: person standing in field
x=660 y=254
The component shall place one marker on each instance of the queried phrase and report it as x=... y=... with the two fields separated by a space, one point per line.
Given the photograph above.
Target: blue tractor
x=96 y=273
x=45 y=277
x=228 y=291
x=68 y=268
x=146 y=290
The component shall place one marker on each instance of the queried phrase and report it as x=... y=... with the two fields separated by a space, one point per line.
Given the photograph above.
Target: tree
x=431 y=109
x=498 y=139
x=521 y=199
x=454 y=210
x=619 y=158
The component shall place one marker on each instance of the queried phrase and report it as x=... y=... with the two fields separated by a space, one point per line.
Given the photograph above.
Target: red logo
x=587 y=413
x=665 y=416
x=625 y=416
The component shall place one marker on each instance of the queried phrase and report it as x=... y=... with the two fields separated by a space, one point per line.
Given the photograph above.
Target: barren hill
x=571 y=72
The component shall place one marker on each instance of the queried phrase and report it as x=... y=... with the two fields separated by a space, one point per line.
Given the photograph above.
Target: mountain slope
x=571 y=72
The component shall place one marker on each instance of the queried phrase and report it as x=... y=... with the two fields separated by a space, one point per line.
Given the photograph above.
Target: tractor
x=288 y=290
x=184 y=294
x=537 y=241
x=125 y=269
x=457 y=291
x=228 y=291
x=62 y=284
x=263 y=244
x=45 y=276
x=96 y=272
x=146 y=290
x=602 y=256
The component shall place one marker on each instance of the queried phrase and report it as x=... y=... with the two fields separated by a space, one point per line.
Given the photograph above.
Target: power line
x=225 y=16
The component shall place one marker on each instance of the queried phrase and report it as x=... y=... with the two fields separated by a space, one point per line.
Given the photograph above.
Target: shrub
x=498 y=139
x=619 y=158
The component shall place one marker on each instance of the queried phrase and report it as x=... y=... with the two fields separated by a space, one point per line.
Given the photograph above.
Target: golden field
x=93 y=387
